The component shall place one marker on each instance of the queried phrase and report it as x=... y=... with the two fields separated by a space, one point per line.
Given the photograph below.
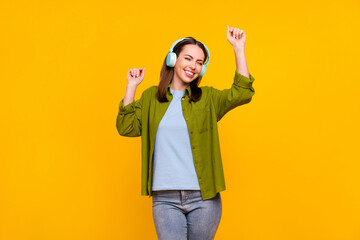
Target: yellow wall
x=291 y=156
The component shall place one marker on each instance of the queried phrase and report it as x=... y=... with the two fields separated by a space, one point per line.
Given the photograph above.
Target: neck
x=178 y=85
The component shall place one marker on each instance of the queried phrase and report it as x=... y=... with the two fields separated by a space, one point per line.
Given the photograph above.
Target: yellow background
x=291 y=156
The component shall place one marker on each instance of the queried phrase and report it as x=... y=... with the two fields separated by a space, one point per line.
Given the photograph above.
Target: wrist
x=131 y=85
x=239 y=48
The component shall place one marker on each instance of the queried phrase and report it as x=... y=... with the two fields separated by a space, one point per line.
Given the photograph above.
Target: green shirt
x=142 y=118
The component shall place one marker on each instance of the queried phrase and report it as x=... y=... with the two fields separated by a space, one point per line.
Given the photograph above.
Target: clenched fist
x=236 y=37
x=135 y=76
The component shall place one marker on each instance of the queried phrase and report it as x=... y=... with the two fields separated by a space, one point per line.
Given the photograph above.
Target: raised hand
x=236 y=37
x=135 y=76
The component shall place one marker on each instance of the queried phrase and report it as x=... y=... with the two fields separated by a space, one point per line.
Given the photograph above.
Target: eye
x=200 y=63
x=187 y=58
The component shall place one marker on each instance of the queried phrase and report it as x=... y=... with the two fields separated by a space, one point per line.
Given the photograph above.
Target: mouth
x=189 y=74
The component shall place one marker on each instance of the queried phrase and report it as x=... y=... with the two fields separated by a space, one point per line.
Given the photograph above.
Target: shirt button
x=186 y=119
x=182 y=98
x=193 y=147
x=191 y=132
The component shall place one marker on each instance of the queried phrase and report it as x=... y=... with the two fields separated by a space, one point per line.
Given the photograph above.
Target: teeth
x=190 y=72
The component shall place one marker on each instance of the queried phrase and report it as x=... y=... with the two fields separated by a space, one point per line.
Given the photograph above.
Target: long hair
x=167 y=73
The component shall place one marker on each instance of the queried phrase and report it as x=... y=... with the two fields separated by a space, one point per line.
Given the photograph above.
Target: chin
x=188 y=80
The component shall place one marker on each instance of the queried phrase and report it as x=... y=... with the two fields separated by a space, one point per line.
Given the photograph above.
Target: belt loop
x=183 y=196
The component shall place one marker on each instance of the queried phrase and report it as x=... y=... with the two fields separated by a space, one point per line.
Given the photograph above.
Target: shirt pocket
x=202 y=119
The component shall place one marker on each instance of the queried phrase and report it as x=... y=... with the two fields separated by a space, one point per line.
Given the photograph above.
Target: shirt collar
x=187 y=90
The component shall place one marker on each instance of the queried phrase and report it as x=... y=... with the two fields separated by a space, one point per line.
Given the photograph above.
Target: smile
x=189 y=74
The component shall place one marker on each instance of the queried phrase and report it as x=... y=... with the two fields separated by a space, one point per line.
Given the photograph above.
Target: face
x=189 y=64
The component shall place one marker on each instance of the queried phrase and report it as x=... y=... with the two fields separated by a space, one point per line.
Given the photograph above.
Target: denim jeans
x=183 y=215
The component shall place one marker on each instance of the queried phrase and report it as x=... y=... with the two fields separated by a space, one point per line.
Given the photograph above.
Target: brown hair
x=167 y=73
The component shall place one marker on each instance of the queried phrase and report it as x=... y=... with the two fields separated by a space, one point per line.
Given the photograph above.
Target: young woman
x=177 y=121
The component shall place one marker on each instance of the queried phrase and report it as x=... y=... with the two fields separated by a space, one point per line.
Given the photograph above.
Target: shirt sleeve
x=241 y=92
x=128 y=122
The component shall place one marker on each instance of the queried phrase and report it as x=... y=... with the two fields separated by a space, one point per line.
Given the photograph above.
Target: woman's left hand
x=236 y=37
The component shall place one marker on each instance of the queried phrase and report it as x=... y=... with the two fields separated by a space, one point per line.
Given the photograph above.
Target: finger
x=234 y=32
x=237 y=33
x=241 y=33
x=131 y=72
x=142 y=73
x=228 y=32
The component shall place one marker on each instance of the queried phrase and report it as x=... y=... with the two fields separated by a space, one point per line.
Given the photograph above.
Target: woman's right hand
x=135 y=76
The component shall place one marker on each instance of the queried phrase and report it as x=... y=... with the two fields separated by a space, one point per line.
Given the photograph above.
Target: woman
x=177 y=121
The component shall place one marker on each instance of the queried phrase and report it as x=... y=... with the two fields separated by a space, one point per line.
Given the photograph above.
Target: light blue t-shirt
x=173 y=161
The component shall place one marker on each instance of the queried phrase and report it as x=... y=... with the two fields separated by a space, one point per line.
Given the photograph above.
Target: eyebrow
x=192 y=57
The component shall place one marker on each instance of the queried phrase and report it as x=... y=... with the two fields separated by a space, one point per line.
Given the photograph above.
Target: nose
x=193 y=65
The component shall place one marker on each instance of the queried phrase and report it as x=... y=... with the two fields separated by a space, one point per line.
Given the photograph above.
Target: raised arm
x=128 y=122
x=134 y=77
x=241 y=91
x=237 y=39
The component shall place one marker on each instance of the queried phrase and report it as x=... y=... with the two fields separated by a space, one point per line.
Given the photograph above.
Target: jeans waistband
x=177 y=195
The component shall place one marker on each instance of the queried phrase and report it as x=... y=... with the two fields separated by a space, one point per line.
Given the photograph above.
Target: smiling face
x=188 y=65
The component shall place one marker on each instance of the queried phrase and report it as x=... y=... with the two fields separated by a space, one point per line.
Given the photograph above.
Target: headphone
x=171 y=57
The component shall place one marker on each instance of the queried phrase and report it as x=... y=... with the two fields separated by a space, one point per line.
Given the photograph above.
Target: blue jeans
x=183 y=215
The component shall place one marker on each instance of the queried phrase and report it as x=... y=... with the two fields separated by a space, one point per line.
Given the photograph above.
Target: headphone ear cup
x=171 y=59
x=202 y=71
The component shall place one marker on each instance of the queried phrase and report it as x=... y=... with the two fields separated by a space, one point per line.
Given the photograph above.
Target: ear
x=171 y=59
